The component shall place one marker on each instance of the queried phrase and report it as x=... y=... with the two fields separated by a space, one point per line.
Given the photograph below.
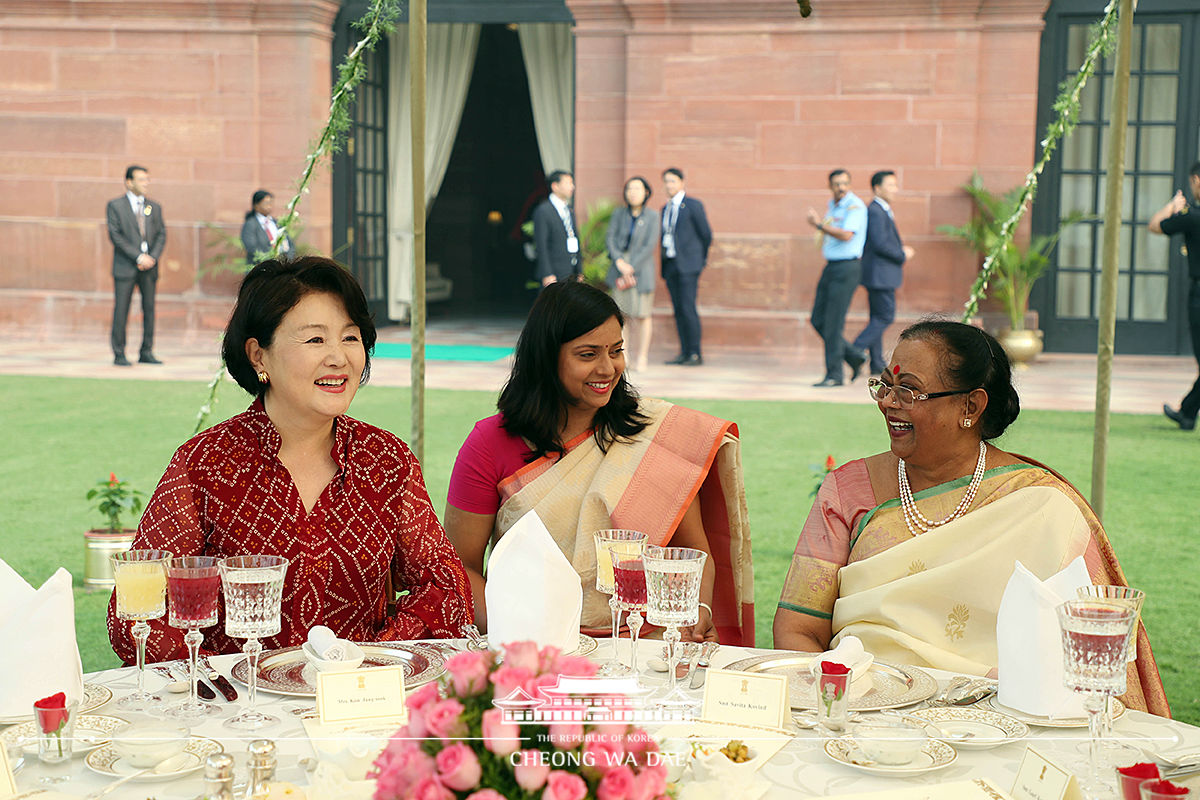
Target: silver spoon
x=162 y=768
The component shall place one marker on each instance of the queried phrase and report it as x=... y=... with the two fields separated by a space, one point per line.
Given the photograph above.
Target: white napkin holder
x=533 y=593
x=849 y=652
x=326 y=644
x=1029 y=642
x=40 y=656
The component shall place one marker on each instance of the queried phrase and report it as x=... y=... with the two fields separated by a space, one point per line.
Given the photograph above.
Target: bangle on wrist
x=708 y=608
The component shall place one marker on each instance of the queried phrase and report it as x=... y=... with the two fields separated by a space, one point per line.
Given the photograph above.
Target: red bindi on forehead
x=896 y=370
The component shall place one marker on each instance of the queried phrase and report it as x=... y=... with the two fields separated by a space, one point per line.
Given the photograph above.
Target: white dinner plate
x=105 y=761
x=1118 y=709
x=968 y=728
x=91 y=731
x=934 y=755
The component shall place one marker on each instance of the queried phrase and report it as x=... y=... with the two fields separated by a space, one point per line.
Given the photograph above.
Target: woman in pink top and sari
x=910 y=550
x=574 y=442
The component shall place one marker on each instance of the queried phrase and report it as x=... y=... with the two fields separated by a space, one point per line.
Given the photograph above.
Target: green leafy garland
x=378 y=22
x=1067 y=108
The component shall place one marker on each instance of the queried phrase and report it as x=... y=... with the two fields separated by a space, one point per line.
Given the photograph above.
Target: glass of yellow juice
x=141 y=589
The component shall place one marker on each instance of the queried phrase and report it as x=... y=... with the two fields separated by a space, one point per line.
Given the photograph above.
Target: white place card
x=745 y=698
x=1041 y=778
x=375 y=693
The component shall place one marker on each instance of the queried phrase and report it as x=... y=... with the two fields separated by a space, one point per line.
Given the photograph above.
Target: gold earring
x=966 y=423
x=264 y=378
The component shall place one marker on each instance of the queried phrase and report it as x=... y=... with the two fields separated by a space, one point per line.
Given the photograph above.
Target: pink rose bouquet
x=458 y=746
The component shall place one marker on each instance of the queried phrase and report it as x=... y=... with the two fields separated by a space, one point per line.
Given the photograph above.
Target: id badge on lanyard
x=572 y=244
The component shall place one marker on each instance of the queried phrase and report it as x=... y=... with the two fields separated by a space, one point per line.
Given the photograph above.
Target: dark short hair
x=838 y=171
x=533 y=402
x=555 y=177
x=645 y=184
x=132 y=168
x=255 y=199
x=877 y=178
x=272 y=289
x=972 y=359
x=1195 y=170
x=676 y=171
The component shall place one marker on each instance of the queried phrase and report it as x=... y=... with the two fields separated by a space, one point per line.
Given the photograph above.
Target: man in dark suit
x=554 y=232
x=883 y=258
x=260 y=229
x=685 y=241
x=138 y=234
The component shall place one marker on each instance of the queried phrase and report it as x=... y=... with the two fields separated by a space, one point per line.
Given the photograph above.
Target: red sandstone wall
x=217 y=99
x=756 y=105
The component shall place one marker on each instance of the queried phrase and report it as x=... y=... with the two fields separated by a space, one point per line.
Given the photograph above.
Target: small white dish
x=891 y=741
x=934 y=755
x=710 y=764
x=971 y=728
x=107 y=762
x=353 y=660
x=147 y=744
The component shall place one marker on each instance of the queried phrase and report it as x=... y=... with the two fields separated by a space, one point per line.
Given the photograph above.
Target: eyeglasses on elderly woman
x=906 y=397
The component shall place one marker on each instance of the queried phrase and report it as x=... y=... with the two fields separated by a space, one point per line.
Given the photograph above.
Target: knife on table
x=202 y=689
x=220 y=681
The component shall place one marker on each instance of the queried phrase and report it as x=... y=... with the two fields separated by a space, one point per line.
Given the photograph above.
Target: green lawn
x=68 y=433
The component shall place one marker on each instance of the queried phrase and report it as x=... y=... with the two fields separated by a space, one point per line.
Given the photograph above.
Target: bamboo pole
x=1107 y=328
x=416 y=71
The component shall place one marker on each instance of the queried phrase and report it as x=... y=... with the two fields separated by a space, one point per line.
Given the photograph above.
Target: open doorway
x=493 y=180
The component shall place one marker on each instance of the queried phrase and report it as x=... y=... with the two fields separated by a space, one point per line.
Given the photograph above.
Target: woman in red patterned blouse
x=294 y=476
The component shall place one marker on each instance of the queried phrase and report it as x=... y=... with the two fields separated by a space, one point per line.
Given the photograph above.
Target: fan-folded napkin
x=326 y=644
x=533 y=593
x=849 y=653
x=40 y=655
x=1029 y=642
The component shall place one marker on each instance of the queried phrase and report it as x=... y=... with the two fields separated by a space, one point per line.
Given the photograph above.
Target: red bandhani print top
x=225 y=493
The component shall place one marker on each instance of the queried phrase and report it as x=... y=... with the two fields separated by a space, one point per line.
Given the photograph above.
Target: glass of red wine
x=193 y=583
x=629 y=578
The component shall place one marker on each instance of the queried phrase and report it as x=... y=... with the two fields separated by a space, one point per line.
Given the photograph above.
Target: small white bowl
x=149 y=744
x=710 y=764
x=353 y=660
x=890 y=741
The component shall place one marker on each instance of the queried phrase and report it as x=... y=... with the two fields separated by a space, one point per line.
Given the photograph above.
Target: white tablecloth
x=800 y=770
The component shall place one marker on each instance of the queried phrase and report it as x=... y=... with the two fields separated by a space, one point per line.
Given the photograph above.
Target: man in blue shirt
x=844 y=232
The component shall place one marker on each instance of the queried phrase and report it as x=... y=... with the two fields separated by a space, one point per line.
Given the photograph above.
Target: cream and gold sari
x=646 y=484
x=932 y=600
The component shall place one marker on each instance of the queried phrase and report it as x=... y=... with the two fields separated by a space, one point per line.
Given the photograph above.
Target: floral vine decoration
x=458 y=745
x=822 y=471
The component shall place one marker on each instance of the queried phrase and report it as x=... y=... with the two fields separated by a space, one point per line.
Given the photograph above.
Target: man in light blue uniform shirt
x=844 y=228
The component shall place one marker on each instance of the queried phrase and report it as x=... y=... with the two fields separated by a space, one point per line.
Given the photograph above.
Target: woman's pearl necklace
x=917 y=522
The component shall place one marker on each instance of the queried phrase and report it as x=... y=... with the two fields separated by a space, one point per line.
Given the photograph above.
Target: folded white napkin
x=326 y=644
x=533 y=593
x=40 y=656
x=1029 y=642
x=849 y=652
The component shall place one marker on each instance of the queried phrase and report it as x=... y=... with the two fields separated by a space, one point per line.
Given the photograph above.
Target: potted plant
x=1016 y=268
x=112 y=498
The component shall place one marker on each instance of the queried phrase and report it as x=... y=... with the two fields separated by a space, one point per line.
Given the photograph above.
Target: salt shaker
x=262 y=762
x=218 y=777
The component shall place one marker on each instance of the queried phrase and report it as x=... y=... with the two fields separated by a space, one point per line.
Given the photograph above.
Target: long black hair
x=255 y=199
x=533 y=402
x=972 y=358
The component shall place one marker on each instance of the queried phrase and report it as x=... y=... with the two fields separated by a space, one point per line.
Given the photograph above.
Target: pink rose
x=500 y=737
x=485 y=794
x=565 y=735
x=400 y=766
x=469 y=672
x=638 y=742
x=521 y=655
x=508 y=678
x=650 y=782
x=458 y=767
x=616 y=784
x=444 y=719
x=603 y=752
x=422 y=697
x=533 y=684
x=564 y=786
x=430 y=788
x=531 y=770
x=575 y=667
x=546 y=658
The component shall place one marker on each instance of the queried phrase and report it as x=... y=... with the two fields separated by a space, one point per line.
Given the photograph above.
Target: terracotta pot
x=1023 y=346
x=98 y=545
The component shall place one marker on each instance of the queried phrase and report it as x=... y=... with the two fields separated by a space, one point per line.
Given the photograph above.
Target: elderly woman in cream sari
x=575 y=443
x=910 y=550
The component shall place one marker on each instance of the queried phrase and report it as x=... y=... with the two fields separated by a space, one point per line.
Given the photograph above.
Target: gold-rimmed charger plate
x=105 y=761
x=1118 y=710
x=91 y=731
x=934 y=755
x=94 y=696
x=587 y=645
x=972 y=728
x=892 y=685
x=288 y=672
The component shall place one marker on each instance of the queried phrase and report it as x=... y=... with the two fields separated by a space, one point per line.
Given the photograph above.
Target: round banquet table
x=800 y=770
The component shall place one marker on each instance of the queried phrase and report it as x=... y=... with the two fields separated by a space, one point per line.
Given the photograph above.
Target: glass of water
x=1126 y=596
x=253 y=589
x=673 y=576
x=1095 y=640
